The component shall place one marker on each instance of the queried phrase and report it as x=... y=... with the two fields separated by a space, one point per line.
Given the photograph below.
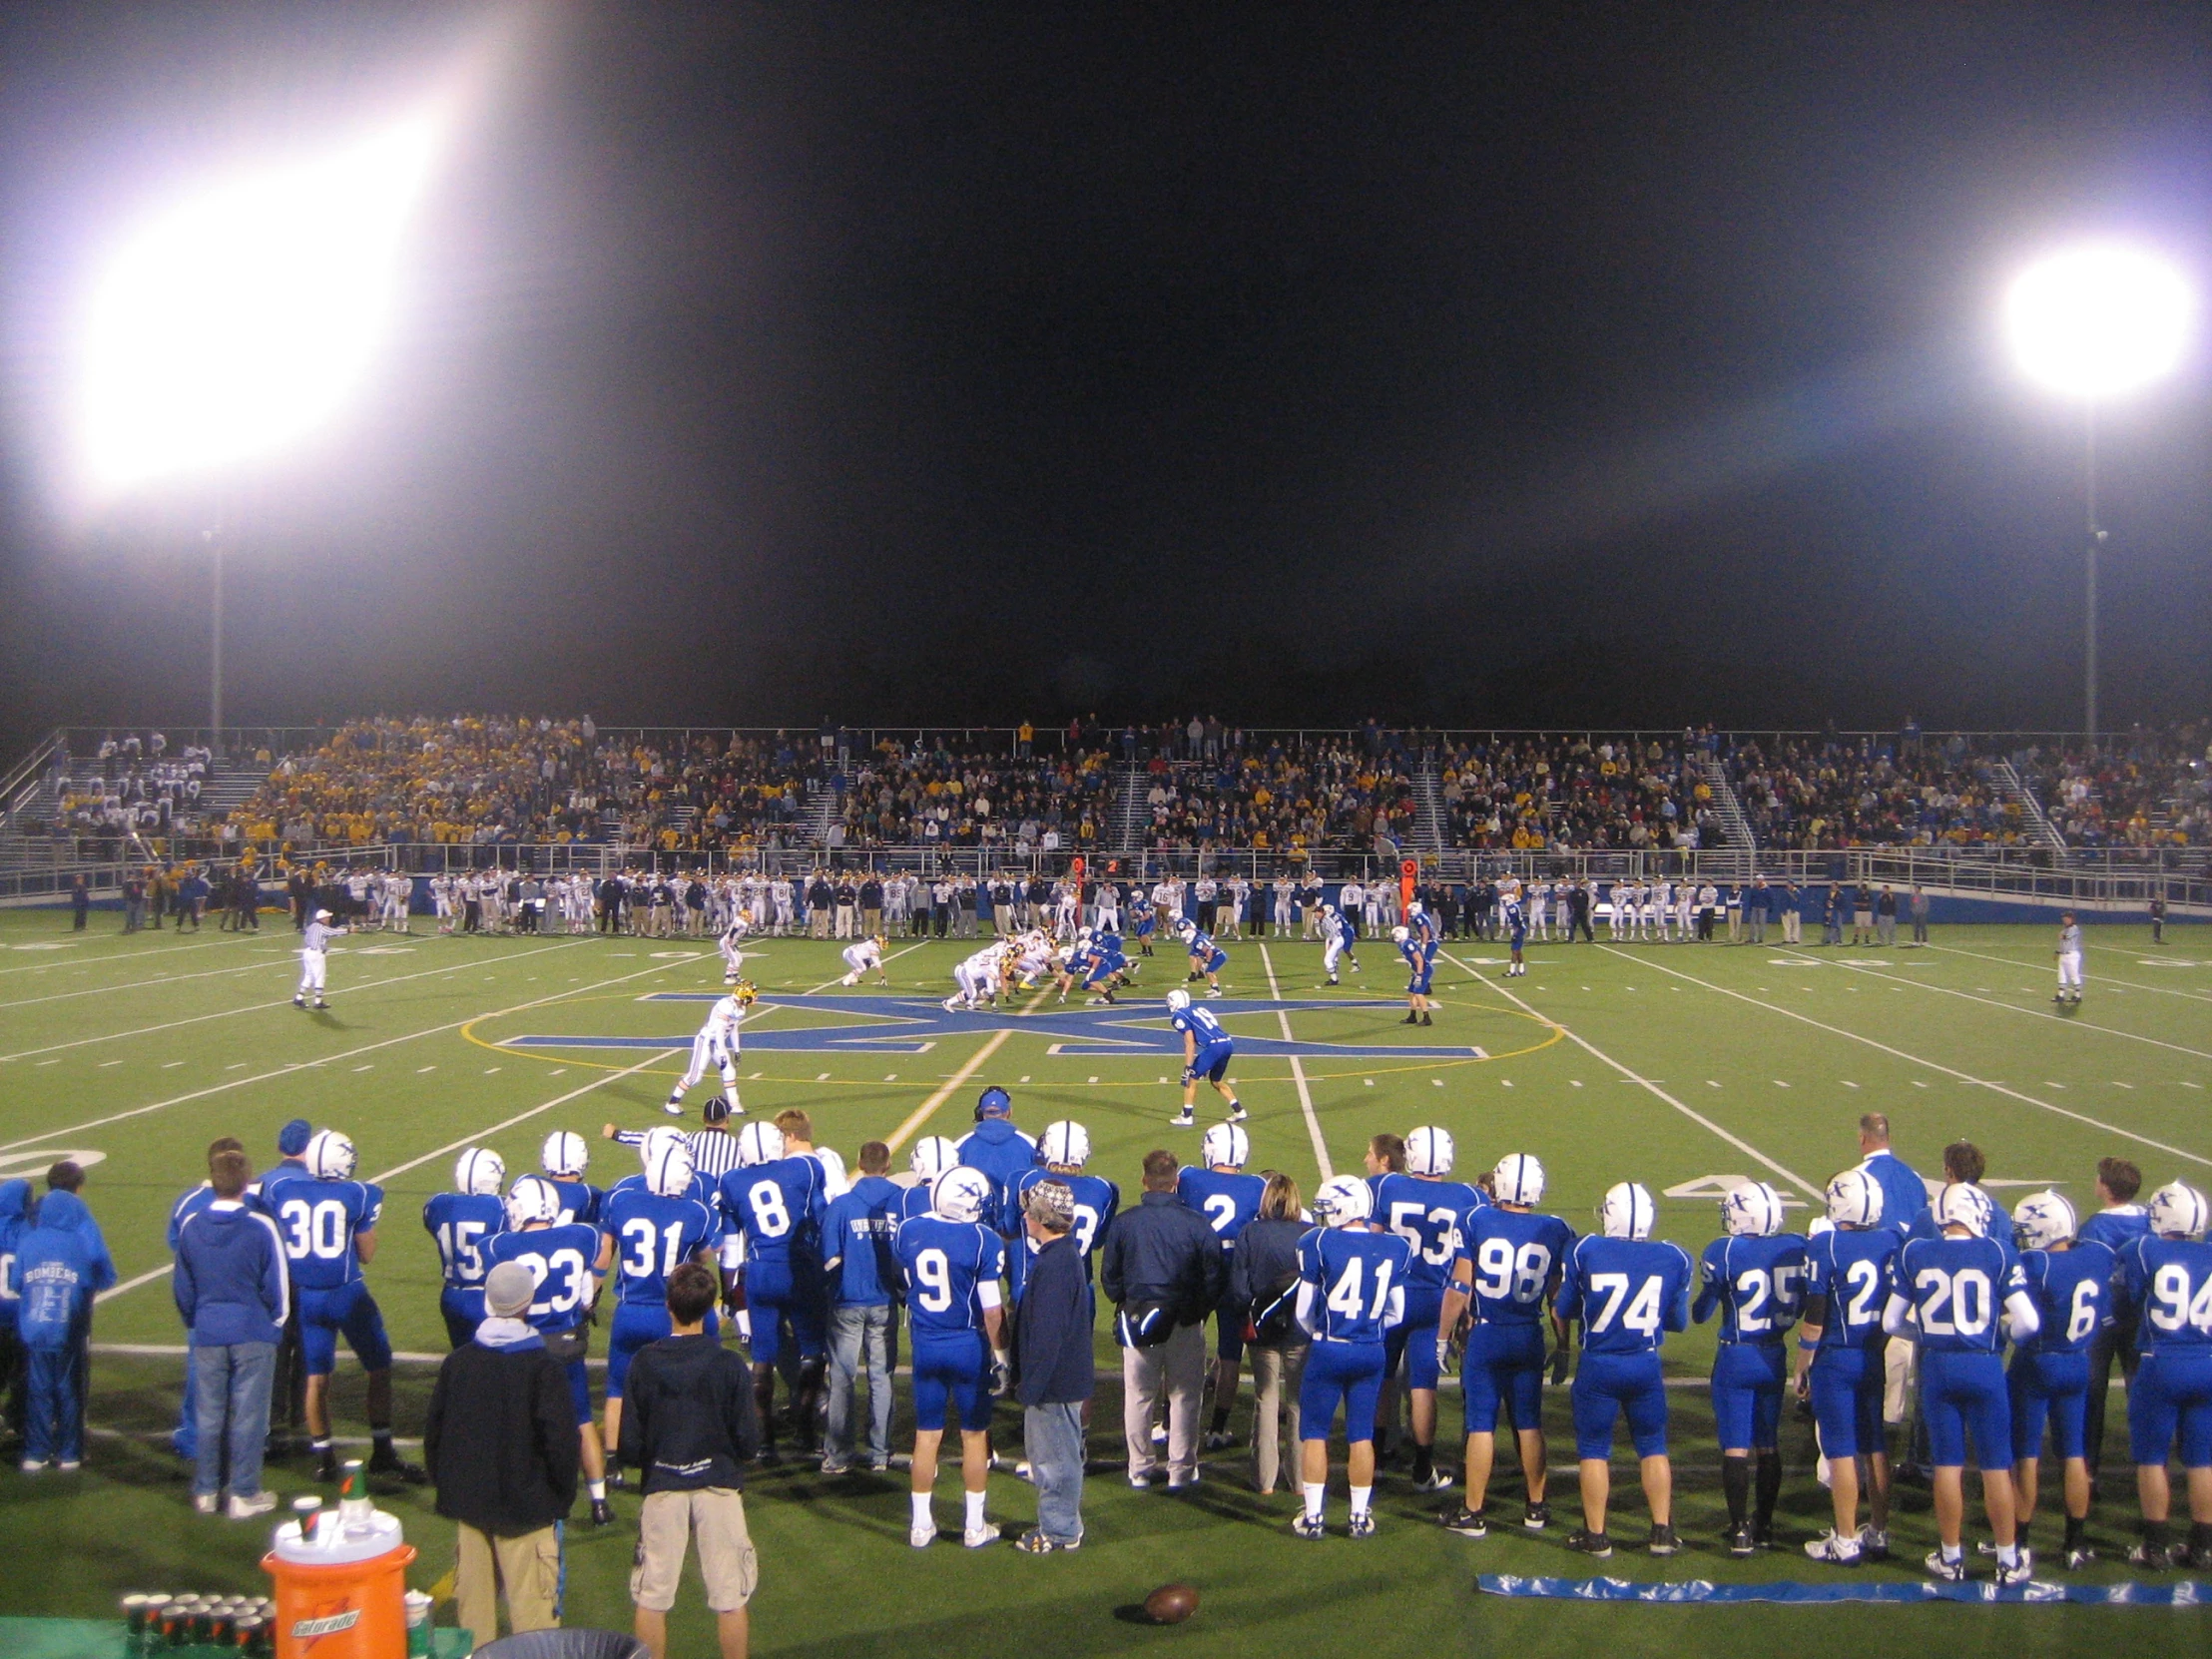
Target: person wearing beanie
x=501 y=1446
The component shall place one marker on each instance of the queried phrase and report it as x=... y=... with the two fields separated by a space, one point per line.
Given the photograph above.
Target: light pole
x=214 y=539
x=2093 y=322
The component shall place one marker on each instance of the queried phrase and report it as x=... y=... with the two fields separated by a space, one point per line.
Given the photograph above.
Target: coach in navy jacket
x=231 y=1290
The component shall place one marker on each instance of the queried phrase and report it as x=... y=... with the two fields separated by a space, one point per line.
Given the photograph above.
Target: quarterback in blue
x=461 y=1222
x=1417 y=941
x=1423 y=1206
x=773 y=1208
x=1506 y=1270
x=1963 y=1293
x=2070 y=1279
x=1143 y=921
x=1217 y=1189
x=1628 y=1290
x=1840 y=1365
x=949 y=1262
x=1207 y=1051
x=1754 y=1277
x=2166 y=1279
x=1350 y=1292
x=558 y=1255
x=1206 y=957
x=328 y=1224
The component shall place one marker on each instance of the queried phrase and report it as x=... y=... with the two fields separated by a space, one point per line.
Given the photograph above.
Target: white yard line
x=2103 y=979
x=1298 y=1074
x=922 y=1114
x=1812 y=1188
x=140 y=985
x=308 y=1065
x=256 y=1007
x=814 y=990
x=1934 y=1065
x=123 y=955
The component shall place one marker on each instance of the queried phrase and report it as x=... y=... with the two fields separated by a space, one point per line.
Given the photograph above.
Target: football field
x=1683 y=1067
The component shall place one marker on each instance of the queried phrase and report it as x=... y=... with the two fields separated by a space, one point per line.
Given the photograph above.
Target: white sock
x=1362 y=1496
x=1316 y=1492
x=1951 y=1553
x=923 y=1518
x=598 y=1490
x=2009 y=1555
x=974 y=1510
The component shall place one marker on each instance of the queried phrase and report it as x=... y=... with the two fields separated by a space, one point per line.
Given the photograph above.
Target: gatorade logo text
x=306 y=1630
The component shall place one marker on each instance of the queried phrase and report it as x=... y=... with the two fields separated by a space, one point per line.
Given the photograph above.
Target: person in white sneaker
x=231 y=1288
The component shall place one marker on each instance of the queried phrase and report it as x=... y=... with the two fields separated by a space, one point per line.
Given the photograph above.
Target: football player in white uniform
x=717 y=1046
x=1336 y=933
x=733 y=959
x=978 y=978
x=860 y=958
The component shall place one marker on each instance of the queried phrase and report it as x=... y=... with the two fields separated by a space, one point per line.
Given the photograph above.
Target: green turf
x=1674 y=1064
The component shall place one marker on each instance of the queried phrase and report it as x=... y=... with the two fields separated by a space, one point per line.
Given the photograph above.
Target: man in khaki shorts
x=689 y=1424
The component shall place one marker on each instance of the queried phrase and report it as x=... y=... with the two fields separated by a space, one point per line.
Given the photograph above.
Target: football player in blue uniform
x=1628 y=1290
x=461 y=1222
x=1420 y=952
x=773 y=1208
x=1517 y=929
x=1143 y=921
x=1963 y=1293
x=564 y=1157
x=949 y=1262
x=931 y=1156
x=646 y=1232
x=2166 y=1278
x=1350 y=1292
x=1424 y=1207
x=1506 y=1270
x=1754 y=1277
x=1206 y=957
x=1207 y=1051
x=1339 y=933
x=329 y=1223
x=559 y=1257
x=1217 y=1189
x=1064 y=1148
x=2070 y=1280
x=2116 y=1223
x=1109 y=968
x=1840 y=1362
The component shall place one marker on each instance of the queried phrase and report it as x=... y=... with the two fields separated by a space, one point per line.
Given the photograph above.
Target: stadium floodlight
x=2093 y=322
x=242 y=317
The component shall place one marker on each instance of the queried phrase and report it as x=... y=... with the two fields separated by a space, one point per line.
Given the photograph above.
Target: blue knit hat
x=995 y=1102
x=293 y=1139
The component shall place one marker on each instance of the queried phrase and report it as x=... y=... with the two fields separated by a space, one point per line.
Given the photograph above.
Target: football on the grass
x=1171 y=1604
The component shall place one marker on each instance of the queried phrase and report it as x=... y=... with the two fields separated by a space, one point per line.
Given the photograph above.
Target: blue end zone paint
x=2185 y=1592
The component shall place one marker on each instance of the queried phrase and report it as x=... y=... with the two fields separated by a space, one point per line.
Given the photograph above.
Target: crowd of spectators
x=2142 y=791
x=1575 y=794
x=931 y=792
x=1810 y=794
x=1328 y=793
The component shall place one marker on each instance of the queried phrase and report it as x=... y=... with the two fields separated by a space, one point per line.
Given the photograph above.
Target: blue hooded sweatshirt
x=15 y=1209
x=60 y=1265
x=230 y=1281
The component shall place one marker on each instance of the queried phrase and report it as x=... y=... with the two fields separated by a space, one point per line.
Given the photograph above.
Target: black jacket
x=1265 y=1255
x=687 y=1415
x=1162 y=1251
x=1052 y=1328
x=502 y=1441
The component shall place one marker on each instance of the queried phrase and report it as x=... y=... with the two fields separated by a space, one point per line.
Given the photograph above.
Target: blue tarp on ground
x=2185 y=1592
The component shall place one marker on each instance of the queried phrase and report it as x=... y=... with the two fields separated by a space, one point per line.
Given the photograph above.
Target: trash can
x=342 y=1594
x=566 y=1644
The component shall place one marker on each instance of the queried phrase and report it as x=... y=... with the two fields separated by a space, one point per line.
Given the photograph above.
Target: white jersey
x=862 y=957
x=722 y=1024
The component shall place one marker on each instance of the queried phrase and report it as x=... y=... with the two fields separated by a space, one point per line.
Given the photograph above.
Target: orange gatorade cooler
x=342 y=1590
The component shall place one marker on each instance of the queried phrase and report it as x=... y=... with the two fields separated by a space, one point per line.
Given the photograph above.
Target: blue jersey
x=579 y=1201
x=1422 y=933
x=461 y=1223
x=1107 y=959
x=2116 y=1228
x=1516 y=922
x=779 y=1207
x=1227 y=1200
x=913 y=1201
x=1199 y=1022
x=1513 y=1258
x=1096 y=1201
x=1756 y=1285
x=1628 y=1293
x=1141 y=916
x=1419 y=953
x=319 y=1220
x=2168 y=1282
x=1355 y=1283
x=1852 y=1270
x=857 y=1234
x=560 y=1258
x=1996 y=1226
x=654 y=1236
x=702 y=1187
x=2072 y=1290
x=1957 y=1288
x=1426 y=1214
x=944 y=1265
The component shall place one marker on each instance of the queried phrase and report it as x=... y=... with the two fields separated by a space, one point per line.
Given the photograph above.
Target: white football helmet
x=932 y=1156
x=1082 y=936
x=479 y=1171
x=1518 y=1179
x=1399 y=935
x=1414 y=910
x=1962 y=1204
x=656 y=1138
x=1065 y=1145
x=1855 y=1199
x=2042 y=1220
x=759 y=1143
x=1225 y=1146
x=1429 y=1150
x=961 y=1194
x=330 y=1156
x=1343 y=1201
x=533 y=1198
x=1186 y=929
x=2177 y=1212
x=1177 y=1000
x=669 y=1169
x=1752 y=1211
x=1628 y=1211
x=564 y=1155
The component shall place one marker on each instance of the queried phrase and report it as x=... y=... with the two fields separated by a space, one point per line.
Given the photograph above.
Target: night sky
x=1480 y=365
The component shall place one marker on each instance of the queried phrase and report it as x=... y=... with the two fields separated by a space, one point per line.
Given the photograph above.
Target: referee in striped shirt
x=714 y=1148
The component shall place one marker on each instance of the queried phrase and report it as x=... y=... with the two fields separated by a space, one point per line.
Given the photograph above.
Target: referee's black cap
x=717 y=1110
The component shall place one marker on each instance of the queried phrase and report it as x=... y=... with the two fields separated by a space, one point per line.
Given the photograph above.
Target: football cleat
x=673 y=1105
x=922 y=1536
x=1835 y=1550
x=980 y=1537
x=2079 y=1556
x=391 y=1463
x=602 y=1513
x=1363 y=1523
x=1309 y=1526
x=1237 y=1113
x=1873 y=1543
x=2021 y=1569
x=1596 y=1545
x=1219 y=1439
x=1664 y=1541
x=2155 y=1557
x=1943 y=1571
x=1185 y=1119
x=1740 y=1542
x=1536 y=1517
x=1436 y=1480
x=1469 y=1524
